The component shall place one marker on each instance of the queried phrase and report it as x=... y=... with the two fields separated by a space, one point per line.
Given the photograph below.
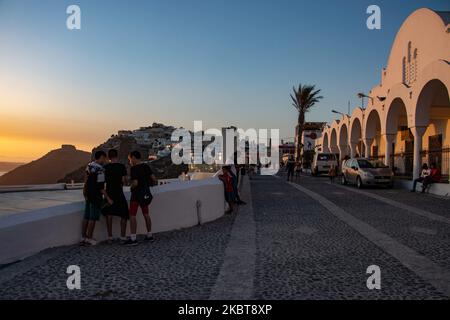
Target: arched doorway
x=325 y=143
x=356 y=138
x=344 y=149
x=333 y=142
x=432 y=126
x=399 y=141
x=372 y=135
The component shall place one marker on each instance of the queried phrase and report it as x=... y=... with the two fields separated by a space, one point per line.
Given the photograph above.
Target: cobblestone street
x=302 y=240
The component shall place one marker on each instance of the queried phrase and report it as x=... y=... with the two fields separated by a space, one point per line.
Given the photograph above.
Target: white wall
x=174 y=206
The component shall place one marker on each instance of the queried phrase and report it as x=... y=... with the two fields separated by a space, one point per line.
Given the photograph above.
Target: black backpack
x=144 y=196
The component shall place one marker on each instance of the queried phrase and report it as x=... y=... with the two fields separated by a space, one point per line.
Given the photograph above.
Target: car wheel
x=343 y=180
x=359 y=183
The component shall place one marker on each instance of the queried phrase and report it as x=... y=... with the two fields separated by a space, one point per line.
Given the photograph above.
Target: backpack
x=144 y=196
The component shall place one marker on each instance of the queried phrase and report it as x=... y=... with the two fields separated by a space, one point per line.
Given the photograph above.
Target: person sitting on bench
x=434 y=177
x=425 y=173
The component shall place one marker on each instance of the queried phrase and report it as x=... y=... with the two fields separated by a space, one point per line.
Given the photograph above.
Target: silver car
x=364 y=172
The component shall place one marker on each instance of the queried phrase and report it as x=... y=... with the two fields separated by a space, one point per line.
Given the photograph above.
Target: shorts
x=119 y=207
x=92 y=211
x=134 y=206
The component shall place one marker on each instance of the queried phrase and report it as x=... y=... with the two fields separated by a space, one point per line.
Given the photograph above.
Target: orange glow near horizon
x=26 y=150
x=25 y=139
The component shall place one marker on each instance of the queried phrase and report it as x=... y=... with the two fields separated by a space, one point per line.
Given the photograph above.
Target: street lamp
x=338 y=112
x=362 y=95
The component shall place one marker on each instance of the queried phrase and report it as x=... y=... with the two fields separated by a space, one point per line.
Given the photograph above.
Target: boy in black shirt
x=93 y=191
x=115 y=177
x=141 y=178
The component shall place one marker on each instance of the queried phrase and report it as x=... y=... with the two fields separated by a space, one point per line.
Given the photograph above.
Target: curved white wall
x=174 y=207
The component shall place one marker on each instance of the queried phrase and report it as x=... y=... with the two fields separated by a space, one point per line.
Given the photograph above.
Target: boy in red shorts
x=141 y=178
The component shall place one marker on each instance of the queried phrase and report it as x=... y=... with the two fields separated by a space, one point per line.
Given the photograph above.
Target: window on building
x=404 y=70
x=409 y=51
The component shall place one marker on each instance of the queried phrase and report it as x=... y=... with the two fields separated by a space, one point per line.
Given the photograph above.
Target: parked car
x=364 y=172
x=322 y=163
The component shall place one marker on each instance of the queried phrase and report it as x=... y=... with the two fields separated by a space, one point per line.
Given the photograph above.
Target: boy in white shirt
x=425 y=173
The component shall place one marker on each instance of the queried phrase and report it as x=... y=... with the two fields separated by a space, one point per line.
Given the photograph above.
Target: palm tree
x=304 y=98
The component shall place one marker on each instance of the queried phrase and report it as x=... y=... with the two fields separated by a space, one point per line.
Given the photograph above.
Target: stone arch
x=333 y=141
x=396 y=116
x=343 y=145
x=432 y=110
x=433 y=100
x=356 y=132
x=373 y=124
x=356 y=138
x=372 y=133
x=325 y=142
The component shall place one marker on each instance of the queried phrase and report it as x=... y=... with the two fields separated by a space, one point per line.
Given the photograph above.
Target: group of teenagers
x=105 y=177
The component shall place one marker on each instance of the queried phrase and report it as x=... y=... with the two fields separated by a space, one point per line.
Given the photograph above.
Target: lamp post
x=338 y=112
x=362 y=95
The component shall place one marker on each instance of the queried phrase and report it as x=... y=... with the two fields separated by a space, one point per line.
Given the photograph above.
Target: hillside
x=8 y=166
x=52 y=167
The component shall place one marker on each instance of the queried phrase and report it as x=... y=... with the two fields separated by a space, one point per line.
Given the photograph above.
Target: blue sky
x=173 y=61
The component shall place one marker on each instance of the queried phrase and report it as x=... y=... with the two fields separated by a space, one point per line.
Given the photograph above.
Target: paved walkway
x=306 y=240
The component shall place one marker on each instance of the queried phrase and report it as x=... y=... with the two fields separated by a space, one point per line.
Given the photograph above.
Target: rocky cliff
x=48 y=169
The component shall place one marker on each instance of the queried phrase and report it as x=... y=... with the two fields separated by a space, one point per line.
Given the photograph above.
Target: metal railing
x=403 y=163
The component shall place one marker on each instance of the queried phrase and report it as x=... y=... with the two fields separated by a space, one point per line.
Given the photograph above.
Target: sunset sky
x=138 y=62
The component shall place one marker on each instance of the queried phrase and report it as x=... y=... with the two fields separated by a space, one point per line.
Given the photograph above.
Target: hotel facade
x=407 y=119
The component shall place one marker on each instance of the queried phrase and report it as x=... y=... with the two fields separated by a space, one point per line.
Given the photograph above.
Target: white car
x=322 y=163
x=364 y=172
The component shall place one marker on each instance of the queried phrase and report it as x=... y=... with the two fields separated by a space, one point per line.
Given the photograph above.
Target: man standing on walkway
x=290 y=165
x=94 y=193
x=115 y=177
x=141 y=178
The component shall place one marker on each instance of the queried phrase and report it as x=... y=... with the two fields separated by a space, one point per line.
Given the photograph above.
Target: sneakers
x=90 y=242
x=130 y=242
x=149 y=238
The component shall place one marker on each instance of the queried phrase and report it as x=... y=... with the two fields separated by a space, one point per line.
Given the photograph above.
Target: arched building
x=407 y=119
